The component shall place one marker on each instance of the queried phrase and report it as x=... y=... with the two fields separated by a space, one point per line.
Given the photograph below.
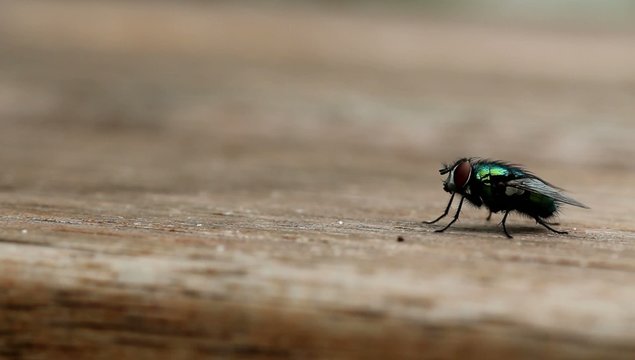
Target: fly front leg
x=456 y=217
x=445 y=213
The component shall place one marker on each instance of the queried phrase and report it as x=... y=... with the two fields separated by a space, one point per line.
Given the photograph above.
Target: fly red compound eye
x=462 y=173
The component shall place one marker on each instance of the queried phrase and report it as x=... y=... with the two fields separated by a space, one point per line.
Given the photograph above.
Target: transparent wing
x=538 y=186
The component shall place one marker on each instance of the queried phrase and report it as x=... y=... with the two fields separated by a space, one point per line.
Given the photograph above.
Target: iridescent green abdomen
x=490 y=188
x=538 y=204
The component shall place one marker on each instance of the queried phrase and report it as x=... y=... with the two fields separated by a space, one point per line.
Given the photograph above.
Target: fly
x=502 y=187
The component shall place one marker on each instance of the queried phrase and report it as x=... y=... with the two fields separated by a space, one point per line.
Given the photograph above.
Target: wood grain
x=218 y=199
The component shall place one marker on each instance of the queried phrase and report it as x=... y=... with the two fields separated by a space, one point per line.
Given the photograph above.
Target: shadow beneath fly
x=492 y=227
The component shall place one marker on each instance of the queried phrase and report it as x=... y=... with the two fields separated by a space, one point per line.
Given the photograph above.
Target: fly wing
x=540 y=187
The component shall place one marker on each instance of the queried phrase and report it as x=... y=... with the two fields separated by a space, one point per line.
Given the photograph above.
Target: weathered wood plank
x=160 y=202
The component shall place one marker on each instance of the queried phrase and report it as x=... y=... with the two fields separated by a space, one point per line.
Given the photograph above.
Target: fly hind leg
x=546 y=224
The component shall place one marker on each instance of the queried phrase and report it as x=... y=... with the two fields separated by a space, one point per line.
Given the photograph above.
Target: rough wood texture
x=173 y=191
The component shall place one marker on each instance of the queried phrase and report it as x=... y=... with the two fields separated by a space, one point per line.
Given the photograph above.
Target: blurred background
x=202 y=95
x=169 y=166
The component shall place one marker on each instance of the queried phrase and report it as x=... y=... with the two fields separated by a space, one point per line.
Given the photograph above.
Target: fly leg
x=456 y=217
x=503 y=223
x=545 y=224
x=447 y=209
x=489 y=217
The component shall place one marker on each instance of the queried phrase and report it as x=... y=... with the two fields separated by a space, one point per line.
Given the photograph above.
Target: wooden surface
x=214 y=181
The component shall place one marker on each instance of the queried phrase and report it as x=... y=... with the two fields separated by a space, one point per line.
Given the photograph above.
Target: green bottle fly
x=500 y=186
